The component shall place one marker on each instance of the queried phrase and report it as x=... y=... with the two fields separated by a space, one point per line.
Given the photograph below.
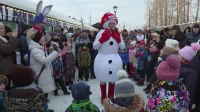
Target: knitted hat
x=7 y=29
x=169 y=70
x=133 y=43
x=142 y=42
x=4 y=80
x=21 y=75
x=1 y=24
x=80 y=91
x=188 y=52
x=35 y=34
x=107 y=17
x=171 y=43
x=196 y=25
x=169 y=51
x=175 y=27
x=124 y=87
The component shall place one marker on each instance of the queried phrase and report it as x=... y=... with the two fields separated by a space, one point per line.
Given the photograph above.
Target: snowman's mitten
x=105 y=36
x=116 y=36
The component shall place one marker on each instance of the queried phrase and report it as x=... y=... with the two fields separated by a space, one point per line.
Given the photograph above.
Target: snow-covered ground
x=60 y=103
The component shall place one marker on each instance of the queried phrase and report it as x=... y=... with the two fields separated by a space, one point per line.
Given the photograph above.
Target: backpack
x=57 y=65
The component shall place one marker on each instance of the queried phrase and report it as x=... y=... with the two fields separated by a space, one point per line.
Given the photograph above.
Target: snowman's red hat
x=108 y=17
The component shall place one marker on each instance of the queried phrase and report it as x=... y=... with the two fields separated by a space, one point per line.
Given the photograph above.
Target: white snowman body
x=107 y=62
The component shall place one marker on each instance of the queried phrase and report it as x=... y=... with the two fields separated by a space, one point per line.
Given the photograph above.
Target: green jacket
x=82 y=106
x=3 y=101
x=84 y=58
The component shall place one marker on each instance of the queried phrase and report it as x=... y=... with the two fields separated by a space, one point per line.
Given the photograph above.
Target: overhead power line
x=79 y=8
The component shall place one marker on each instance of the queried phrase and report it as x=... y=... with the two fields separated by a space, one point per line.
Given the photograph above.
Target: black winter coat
x=151 y=61
x=181 y=38
x=154 y=78
x=190 y=73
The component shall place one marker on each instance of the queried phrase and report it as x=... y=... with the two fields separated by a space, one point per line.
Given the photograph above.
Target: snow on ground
x=61 y=102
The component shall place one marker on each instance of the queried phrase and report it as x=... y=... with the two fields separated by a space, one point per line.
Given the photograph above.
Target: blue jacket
x=142 y=60
x=192 y=38
x=124 y=57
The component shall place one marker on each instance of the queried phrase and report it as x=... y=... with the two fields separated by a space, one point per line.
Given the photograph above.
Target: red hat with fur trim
x=108 y=17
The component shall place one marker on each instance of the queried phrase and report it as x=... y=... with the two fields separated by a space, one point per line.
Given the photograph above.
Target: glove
x=105 y=36
x=55 y=47
x=140 y=54
x=116 y=35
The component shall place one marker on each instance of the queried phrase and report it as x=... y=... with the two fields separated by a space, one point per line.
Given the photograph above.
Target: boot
x=103 y=92
x=66 y=93
x=49 y=110
x=55 y=92
x=147 y=88
x=111 y=90
x=140 y=83
x=66 y=83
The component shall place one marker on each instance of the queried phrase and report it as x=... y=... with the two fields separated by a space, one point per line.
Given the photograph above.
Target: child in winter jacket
x=84 y=61
x=68 y=60
x=134 y=60
x=126 y=100
x=141 y=55
x=124 y=56
x=3 y=84
x=57 y=66
x=81 y=103
x=130 y=52
x=25 y=96
x=152 y=58
x=168 y=94
x=165 y=52
x=189 y=70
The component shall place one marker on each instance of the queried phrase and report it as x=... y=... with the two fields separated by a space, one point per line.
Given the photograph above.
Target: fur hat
x=80 y=91
x=40 y=15
x=21 y=76
x=188 y=52
x=169 y=51
x=124 y=87
x=172 y=43
x=4 y=80
x=169 y=70
x=107 y=17
x=142 y=42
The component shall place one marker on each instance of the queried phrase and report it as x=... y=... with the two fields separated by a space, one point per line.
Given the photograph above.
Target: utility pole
x=90 y=19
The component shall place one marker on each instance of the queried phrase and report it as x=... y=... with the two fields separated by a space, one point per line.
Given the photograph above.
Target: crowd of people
x=168 y=60
x=169 y=63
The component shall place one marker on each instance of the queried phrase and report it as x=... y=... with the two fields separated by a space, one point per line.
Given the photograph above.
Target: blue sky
x=132 y=12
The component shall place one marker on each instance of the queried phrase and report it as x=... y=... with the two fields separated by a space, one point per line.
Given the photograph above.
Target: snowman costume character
x=108 y=62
